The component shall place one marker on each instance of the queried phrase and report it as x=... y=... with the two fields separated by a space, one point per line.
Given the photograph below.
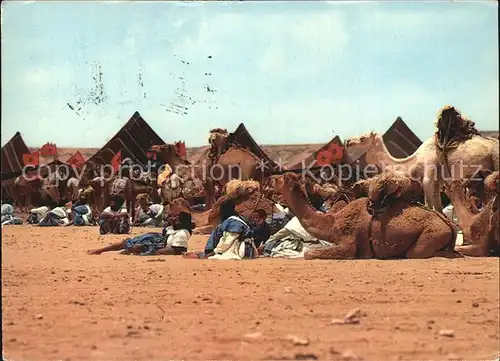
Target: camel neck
x=316 y=223
x=461 y=209
x=385 y=157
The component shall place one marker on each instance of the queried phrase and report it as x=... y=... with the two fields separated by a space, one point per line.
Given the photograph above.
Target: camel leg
x=430 y=244
x=132 y=206
x=346 y=250
x=473 y=250
x=428 y=185
x=438 y=205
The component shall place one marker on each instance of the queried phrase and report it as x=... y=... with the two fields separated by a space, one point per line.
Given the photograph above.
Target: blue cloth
x=198 y=207
x=150 y=241
x=79 y=211
x=229 y=225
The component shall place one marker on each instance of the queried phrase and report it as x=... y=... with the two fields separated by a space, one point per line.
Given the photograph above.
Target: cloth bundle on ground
x=292 y=241
x=8 y=216
x=37 y=214
x=56 y=217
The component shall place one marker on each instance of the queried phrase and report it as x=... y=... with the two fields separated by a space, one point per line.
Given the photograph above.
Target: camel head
x=451 y=123
x=218 y=139
x=361 y=187
x=358 y=146
x=385 y=190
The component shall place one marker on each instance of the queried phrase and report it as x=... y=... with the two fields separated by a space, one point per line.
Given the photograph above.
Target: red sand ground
x=61 y=304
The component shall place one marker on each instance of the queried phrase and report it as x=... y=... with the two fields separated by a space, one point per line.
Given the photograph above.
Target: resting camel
x=246 y=194
x=480 y=230
x=434 y=160
x=371 y=228
x=200 y=218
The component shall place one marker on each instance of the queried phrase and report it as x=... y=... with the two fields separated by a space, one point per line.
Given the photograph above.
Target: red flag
x=325 y=157
x=76 y=160
x=151 y=155
x=31 y=158
x=48 y=150
x=337 y=151
x=116 y=160
x=180 y=147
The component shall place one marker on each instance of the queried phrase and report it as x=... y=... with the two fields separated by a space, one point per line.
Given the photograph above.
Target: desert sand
x=61 y=304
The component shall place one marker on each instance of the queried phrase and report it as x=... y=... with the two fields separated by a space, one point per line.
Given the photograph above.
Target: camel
x=480 y=230
x=129 y=190
x=428 y=164
x=24 y=190
x=169 y=154
x=227 y=161
x=246 y=194
x=200 y=218
x=371 y=228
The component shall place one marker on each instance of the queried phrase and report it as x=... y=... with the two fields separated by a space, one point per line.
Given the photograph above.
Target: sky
x=292 y=72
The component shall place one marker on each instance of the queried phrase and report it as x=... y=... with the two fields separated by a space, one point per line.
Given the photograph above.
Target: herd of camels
x=394 y=214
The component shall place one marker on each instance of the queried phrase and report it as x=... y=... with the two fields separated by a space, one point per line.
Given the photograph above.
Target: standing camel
x=457 y=157
x=227 y=161
x=24 y=190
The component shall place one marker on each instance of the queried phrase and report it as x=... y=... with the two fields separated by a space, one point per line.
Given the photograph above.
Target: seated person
x=57 y=217
x=8 y=215
x=449 y=212
x=261 y=231
x=231 y=239
x=115 y=219
x=152 y=215
x=37 y=214
x=173 y=240
x=82 y=213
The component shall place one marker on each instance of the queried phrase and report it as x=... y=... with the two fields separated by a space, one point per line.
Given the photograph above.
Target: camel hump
x=237 y=188
x=389 y=185
x=119 y=185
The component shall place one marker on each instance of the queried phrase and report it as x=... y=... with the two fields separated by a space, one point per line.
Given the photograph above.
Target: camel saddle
x=119 y=185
